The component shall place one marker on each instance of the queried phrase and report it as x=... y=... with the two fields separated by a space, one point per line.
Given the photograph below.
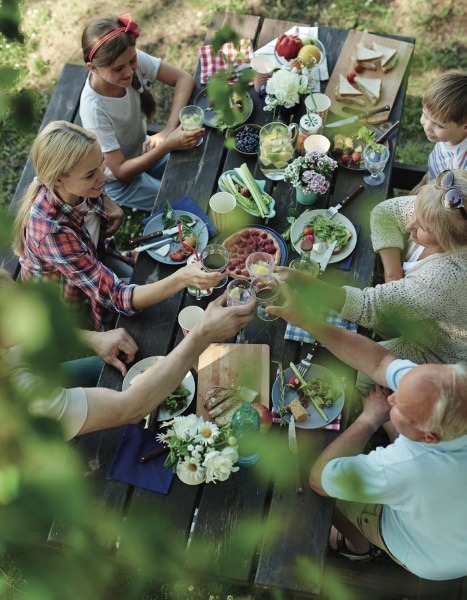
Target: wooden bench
x=64 y=104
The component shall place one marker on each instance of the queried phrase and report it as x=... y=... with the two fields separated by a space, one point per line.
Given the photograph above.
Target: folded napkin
x=188 y=205
x=292 y=332
x=345 y=264
x=305 y=31
x=211 y=62
x=126 y=467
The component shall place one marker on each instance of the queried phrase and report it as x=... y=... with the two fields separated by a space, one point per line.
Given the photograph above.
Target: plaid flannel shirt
x=58 y=247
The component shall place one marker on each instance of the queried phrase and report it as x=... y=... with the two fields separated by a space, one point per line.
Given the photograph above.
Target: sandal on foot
x=345 y=551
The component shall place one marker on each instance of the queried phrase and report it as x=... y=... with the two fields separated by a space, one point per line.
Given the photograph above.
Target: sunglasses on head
x=452 y=198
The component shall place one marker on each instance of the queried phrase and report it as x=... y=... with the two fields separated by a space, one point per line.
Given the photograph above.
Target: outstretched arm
x=351 y=348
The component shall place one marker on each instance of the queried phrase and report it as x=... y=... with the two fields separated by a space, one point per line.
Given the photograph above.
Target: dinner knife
x=384 y=136
x=156 y=234
x=325 y=257
x=293 y=447
x=347 y=199
x=358 y=117
x=154 y=245
x=153 y=454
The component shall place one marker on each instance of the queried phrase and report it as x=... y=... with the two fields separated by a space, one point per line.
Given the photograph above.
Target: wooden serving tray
x=227 y=364
x=390 y=81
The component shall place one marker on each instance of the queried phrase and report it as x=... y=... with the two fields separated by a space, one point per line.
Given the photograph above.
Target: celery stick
x=250 y=183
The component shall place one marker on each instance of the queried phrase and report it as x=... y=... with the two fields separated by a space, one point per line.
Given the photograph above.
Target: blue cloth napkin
x=292 y=332
x=126 y=467
x=189 y=205
x=347 y=262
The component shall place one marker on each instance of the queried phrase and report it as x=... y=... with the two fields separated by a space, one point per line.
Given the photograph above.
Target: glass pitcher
x=276 y=148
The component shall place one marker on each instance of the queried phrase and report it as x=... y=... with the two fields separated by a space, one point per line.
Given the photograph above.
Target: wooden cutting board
x=227 y=364
x=390 y=81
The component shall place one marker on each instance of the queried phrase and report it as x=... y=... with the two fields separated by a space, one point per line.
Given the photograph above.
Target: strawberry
x=351 y=76
x=358 y=68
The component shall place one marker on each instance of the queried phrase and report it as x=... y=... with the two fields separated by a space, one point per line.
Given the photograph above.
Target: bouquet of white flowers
x=199 y=450
x=310 y=172
x=284 y=87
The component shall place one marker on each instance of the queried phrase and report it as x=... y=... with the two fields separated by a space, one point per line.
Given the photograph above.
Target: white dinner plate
x=145 y=363
x=299 y=225
x=314 y=419
x=200 y=230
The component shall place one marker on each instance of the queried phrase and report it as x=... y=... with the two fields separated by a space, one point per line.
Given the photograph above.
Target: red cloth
x=211 y=63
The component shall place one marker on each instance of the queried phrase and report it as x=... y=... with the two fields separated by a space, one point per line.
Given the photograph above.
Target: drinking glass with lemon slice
x=259 y=264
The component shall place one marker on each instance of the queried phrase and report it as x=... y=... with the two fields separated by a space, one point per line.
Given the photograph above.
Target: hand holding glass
x=215 y=258
x=375 y=156
x=191 y=119
x=266 y=291
x=239 y=292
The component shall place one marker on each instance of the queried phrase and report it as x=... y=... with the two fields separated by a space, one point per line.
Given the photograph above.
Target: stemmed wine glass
x=213 y=258
x=266 y=290
x=259 y=264
x=239 y=292
x=375 y=156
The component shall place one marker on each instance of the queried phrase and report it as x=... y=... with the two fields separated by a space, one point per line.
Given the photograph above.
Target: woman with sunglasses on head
x=116 y=102
x=420 y=309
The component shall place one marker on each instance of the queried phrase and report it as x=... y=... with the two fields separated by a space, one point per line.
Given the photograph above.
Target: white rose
x=219 y=465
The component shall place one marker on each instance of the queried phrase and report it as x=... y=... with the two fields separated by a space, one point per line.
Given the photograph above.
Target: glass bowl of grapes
x=245 y=138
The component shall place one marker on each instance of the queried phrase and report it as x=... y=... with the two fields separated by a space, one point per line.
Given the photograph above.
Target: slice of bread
x=387 y=53
x=345 y=92
x=370 y=87
x=366 y=54
x=345 y=88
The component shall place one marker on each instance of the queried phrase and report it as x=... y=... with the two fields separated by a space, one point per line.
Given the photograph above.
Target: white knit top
x=424 y=314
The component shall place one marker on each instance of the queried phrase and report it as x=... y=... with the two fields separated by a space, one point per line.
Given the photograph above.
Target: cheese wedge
x=364 y=53
x=370 y=87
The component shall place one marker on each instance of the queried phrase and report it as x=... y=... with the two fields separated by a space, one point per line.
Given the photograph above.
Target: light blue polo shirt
x=423 y=488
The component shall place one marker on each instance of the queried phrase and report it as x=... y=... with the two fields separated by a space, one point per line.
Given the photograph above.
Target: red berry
x=294 y=382
x=345 y=158
x=356 y=156
x=351 y=76
x=358 y=68
x=309 y=231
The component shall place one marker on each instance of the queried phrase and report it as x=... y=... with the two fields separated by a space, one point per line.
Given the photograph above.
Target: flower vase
x=305 y=199
x=186 y=475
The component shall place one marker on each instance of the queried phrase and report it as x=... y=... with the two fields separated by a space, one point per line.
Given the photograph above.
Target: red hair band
x=129 y=27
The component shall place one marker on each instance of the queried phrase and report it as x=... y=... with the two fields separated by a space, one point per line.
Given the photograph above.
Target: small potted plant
x=199 y=451
x=309 y=174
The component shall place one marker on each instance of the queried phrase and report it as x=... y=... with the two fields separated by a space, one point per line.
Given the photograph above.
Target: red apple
x=351 y=76
x=265 y=415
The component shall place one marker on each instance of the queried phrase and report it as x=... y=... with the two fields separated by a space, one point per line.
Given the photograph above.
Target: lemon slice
x=259 y=269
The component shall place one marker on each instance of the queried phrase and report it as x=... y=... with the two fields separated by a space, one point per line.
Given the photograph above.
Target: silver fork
x=305 y=363
x=333 y=210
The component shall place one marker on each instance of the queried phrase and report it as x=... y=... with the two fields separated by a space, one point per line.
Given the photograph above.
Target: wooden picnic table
x=292 y=528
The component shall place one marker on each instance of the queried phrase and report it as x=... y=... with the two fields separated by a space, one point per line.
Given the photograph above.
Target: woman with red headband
x=116 y=102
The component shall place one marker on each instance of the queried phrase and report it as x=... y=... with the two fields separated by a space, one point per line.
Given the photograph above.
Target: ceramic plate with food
x=347 y=148
x=256 y=238
x=161 y=254
x=188 y=383
x=333 y=393
x=211 y=119
x=344 y=230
